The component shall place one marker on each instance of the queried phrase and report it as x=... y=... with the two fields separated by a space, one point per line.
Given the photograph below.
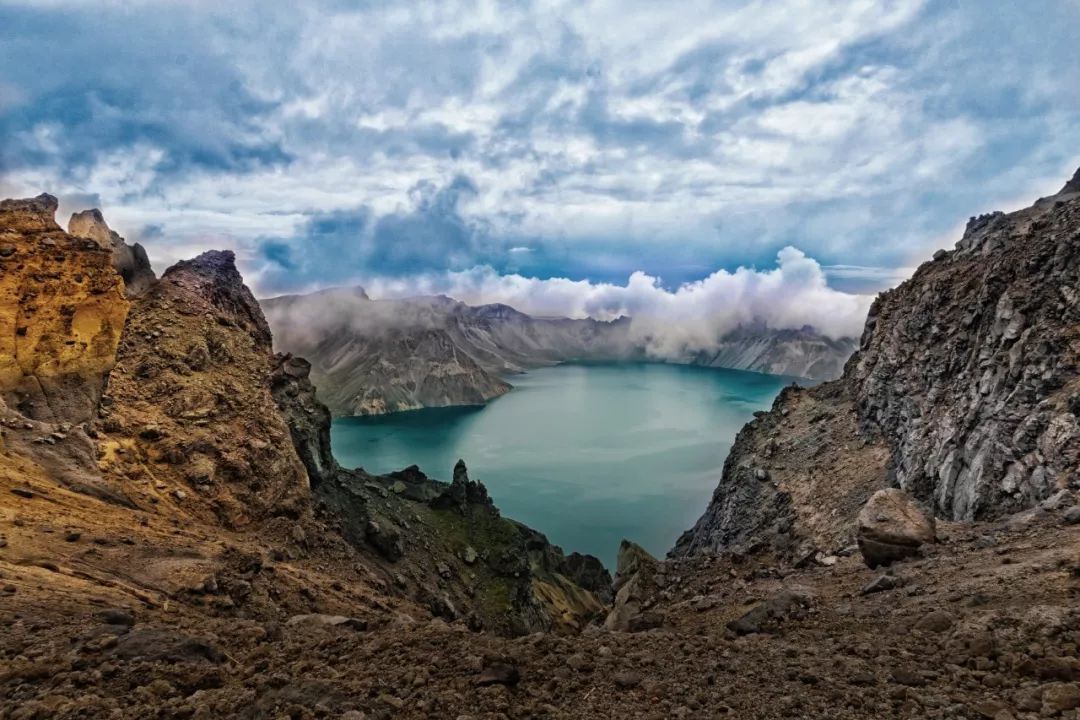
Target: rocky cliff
x=189 y=412
x=372 y=357
x=963 y=393
x=195 y=458
x=970 y=371
x=130 y=261
x=61 y=314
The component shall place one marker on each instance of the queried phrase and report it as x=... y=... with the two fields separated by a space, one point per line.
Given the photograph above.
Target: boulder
x=891 y=526
x=767 y=614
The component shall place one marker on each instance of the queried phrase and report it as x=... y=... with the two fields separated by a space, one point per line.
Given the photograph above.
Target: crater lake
x=586 y=454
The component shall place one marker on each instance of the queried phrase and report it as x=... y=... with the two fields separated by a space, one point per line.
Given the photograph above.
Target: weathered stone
x=892 y=527
x=634 y=585
x=881 y=584
x=769 y=613
x=936 y=621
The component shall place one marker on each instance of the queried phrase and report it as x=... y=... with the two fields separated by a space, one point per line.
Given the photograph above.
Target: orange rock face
x=62 y=309
x=190 y=424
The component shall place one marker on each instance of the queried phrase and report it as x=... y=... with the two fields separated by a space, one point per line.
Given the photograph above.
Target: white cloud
x=692 y=316
x=858 y=130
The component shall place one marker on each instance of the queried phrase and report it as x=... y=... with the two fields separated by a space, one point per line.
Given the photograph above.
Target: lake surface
x=587 y=454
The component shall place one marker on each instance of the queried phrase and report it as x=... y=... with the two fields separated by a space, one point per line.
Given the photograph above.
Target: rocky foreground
x=176 y=540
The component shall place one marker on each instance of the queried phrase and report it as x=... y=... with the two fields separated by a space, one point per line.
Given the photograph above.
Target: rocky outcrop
x=892 y=527
x=462 y=493
x=190 y=412
x=307 y=418
x=447 y=544
x=969 y=370
x=62 y=310
x=794 y=480
x=178 y=427
x=128 y=260
x=964 y=393
x=635 y=585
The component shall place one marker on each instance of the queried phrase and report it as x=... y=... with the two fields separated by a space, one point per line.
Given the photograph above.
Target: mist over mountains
x=377 y=356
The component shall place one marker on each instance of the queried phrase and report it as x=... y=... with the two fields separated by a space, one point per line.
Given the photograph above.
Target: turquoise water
x=587 y=454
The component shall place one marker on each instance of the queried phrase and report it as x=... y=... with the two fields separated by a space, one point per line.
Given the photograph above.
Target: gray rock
x=130 y=261
x=627 y=679
x=116 y=616
x=634 y=584
x=881 y=584
x=936 y=621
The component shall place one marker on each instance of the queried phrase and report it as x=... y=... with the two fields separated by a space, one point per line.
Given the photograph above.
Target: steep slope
x=371 y=357
x=400 y=369
x=189 y=414
x=970 y=370
x=963 y=393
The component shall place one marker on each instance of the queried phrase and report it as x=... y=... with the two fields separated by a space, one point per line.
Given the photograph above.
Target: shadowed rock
x=128 y=260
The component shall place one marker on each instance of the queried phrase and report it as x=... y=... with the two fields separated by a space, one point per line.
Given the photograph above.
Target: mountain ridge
x=434 y=351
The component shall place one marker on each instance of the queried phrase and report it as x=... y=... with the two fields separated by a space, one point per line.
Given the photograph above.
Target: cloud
x=429 y=234
x=692 y=316
x=607 y=137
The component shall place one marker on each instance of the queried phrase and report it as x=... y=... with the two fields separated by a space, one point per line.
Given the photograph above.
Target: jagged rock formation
x=202 y=428
x=970 y=369
x=964 y=393
x=635 y=582
x=801 y=353
x=308 y=419
x=467 y=562
x=61 y=315
x=189 y=414
x=372 y=357
x=129 y=260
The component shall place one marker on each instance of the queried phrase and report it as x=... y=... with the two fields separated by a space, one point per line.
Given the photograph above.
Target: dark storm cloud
x=431 y=234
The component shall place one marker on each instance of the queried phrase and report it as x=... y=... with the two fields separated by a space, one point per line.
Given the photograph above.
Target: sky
x=570 y=157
